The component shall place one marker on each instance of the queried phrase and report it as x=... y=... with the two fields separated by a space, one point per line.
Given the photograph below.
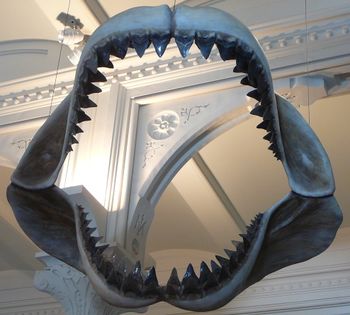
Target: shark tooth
x=190 y=281
x=90 y=88
x=254 y=94
x=82 y=116
x=97 y=77
x=160 y=42
x=184 y=42
x=207 y=280
x=120 y=47
x=151 y=286
x=173 y=285
x=205 y=42
x=258 y=111
x=140 y=42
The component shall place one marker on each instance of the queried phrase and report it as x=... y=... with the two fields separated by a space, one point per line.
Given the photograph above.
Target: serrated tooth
x=96 y=77
x=246 y=241
x=77 y=129
x=69 y=148
x=85 y=223
x=206 y=279
x=227 y=48
x=225 y=263
x=254 y=94
x=264 y=125
x=216 y=270
x=120 y=46
x=190 y=281
x=205 y=42
x=151 y=285
x=81 y=116
x=90 y=88
x=267 y=114
x=85 y=102
x=258 y=111
x=184 y=42
x=268 y=136
x=247 y=81
x=241 y=252
x=229 y=252
x=235 y=243
x=73 y=140
x=225 y=268
x=99 y=249
x=160 y=42
x=273 y=147
x=134 y=281
x=140 y=42
x=173 y=285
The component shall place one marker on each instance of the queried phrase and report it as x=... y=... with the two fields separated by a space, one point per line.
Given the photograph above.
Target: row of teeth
x=134 y=283
x=229 y=48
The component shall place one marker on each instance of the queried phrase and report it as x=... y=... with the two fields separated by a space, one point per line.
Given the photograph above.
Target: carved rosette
x=163 y=125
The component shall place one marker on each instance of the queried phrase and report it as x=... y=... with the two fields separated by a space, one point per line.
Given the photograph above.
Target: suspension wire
x=58 y=61
x=307 y=61
x=174 y=6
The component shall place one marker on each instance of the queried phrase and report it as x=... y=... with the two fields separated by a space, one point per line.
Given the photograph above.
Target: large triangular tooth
x=81 y=116
x=73 y=140
x=90 y=88
x=229 y=252
x=120 y=46
x=227 y=48
x=85 y=223
x=205 y=42
x=206 y=279
x=97 y=77
x=160 y=42
x=273 y=147
x=134 y=281
x=268 y=137
x=216 y=270
x=85 y=102
x=235 y=243
x=184 y=41
x=140 y=42
x=225 y=268
x=246 y=241
x=76 y=130
x=247 y=81
x=190 y=281
x=173 y=286
x=225 y=263
x=241 y=252
x=69 y=149
x=264 y=125
x=89 y=230
x=258 y=111
x=254 y=94
x=151 y=285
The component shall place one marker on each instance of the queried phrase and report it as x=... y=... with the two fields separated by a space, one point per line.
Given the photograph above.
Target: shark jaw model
x=300 y=226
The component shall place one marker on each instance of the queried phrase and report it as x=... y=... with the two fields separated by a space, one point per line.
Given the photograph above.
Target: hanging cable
x=58 y=61
x=307 y=61
x=174 y=6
